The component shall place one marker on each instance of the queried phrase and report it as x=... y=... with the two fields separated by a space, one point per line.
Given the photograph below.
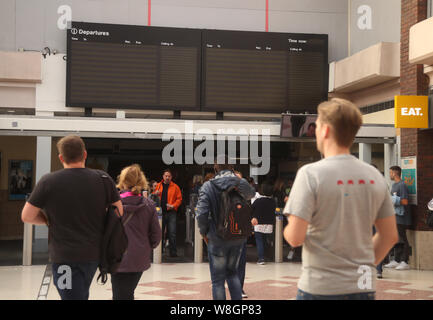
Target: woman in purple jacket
x=142 y=228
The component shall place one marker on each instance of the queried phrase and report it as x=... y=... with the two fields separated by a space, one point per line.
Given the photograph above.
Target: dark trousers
x=242 y=265
x=73 y=280
x=124 y=284
x=169 y=221
x=402 y=248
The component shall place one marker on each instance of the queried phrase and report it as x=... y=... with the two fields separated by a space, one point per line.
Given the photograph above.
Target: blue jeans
x=260 y=243
x=223 y=265
x=354 y=296
x=169 y=220
x=242 y=265
x=73 y=280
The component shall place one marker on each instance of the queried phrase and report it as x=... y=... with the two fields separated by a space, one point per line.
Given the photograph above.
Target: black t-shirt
x=264 y=210
x=75 y=202
x=164 y=197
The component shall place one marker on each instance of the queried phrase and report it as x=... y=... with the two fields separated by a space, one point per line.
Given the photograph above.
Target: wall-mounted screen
x=118 y=66
x=298 y=126
x=263 y=72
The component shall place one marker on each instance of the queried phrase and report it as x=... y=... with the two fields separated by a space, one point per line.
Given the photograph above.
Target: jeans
x=169 y=220
x=124 y=284
x=73 y=280
x=402 y=248
x=260 y=243
x=354 y=296
x=242 y=265
x=223 y=264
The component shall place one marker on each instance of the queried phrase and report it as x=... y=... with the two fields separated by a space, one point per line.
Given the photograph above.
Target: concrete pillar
x=389 y=160
x=365 y=152
x=43 y=166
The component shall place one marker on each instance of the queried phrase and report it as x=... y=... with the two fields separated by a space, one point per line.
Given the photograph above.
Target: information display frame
x=292 y=45
x=160 y=39
x=269 y=72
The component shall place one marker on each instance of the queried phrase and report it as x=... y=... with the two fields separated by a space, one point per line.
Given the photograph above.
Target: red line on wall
x=149 y=11
x=267 y=16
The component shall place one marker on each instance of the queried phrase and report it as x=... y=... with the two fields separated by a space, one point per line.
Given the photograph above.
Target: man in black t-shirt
x=74 y=201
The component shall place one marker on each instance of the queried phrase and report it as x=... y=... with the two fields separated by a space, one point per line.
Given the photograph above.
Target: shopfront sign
x=411 y=112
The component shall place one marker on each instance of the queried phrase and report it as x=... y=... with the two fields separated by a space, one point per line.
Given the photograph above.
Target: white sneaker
x=290 y=255
x=392 y=264
x=402 y=266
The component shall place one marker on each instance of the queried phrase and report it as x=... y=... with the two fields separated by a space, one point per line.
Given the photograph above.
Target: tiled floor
x=189 y=281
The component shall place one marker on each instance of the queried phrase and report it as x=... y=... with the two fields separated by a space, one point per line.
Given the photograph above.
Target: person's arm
x=385 y=238
x=300 y=208
x=295 y=231
x=119 y=206
x=178 y=200
x=404 y=195
x=203 y=210
x=33 y=215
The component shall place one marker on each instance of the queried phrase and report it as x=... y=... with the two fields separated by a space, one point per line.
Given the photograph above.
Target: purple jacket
x=143 y=231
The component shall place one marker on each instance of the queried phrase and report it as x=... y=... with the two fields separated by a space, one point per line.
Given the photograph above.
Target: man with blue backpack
x=224 y=220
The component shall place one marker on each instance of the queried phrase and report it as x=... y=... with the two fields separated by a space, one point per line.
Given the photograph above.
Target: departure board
x=119 y=66
x=263 y=72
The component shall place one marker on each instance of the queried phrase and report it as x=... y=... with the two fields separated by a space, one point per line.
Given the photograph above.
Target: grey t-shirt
x=402 y=191
x=341 y=197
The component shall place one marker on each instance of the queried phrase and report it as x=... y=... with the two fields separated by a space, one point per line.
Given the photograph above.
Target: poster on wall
x=20 y=178
x=408 y=175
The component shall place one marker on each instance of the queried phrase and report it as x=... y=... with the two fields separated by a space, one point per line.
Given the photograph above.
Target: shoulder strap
x=104 y=178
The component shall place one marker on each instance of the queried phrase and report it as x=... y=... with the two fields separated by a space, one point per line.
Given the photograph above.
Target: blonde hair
x=344 y=117
x=197 y=179
x=132 y=178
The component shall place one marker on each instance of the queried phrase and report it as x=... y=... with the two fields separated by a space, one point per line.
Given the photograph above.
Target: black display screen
x=117 y=66
x=121 y=66
x=263 y=72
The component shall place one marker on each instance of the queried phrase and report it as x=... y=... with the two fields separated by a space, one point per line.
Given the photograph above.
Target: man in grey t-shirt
x=400 y=200
x=332 y=206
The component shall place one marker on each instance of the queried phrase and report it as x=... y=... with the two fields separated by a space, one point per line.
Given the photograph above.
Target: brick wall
x=413 y=81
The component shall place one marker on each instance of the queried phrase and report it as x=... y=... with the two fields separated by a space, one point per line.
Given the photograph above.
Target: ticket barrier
x=198 y=242
x=279 y=235
x=157 y=252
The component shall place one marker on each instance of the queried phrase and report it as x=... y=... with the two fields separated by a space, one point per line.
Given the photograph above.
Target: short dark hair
x=396 y=169
x=221 y=163
x=267 y=189
x=71 y=148
x=167 y=170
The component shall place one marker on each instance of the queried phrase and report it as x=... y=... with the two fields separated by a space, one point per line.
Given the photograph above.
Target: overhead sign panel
x=411 y=112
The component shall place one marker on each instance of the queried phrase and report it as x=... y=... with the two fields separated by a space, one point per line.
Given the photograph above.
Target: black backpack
x=114 y=240
x=235 y=214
